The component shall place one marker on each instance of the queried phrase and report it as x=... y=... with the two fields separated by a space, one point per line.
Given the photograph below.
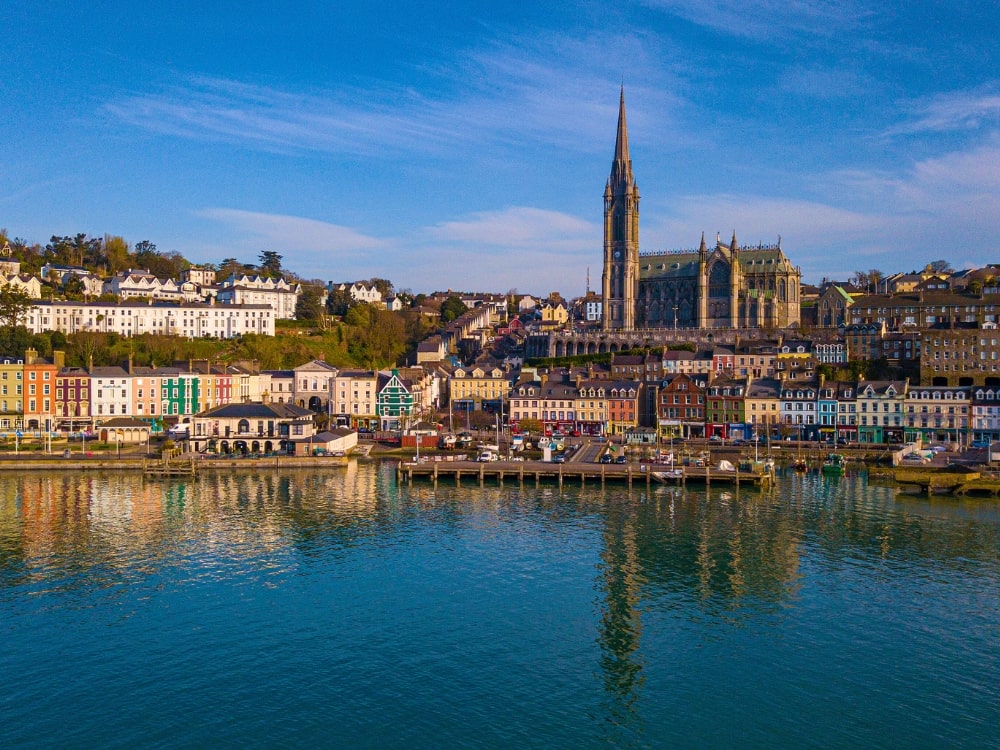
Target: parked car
x=559 y=458
x=607 y=458
x=715 y=439
x=980 y=444
x=621 y=460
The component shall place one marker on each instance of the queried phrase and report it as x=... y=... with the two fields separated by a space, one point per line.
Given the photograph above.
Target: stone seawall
x=105 y=463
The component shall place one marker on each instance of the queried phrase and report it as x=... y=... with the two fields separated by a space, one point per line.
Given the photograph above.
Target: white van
x=180 y=431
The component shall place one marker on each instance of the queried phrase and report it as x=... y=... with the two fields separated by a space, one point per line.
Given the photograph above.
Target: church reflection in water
x=726 y=556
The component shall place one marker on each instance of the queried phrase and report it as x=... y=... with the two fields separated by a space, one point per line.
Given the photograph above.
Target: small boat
x=833 y=466
x=800 y=464
x=670 y=476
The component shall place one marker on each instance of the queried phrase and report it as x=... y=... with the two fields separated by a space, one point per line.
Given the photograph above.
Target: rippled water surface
x=338 y=609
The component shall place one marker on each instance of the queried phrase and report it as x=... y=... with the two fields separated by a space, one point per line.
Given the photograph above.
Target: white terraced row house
x=281 y=296
x=192 y=320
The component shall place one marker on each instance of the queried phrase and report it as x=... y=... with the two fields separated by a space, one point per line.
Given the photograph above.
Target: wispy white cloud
x=766 y=19
x=489 y=250
x=940 y=207
x=960 y=110
x=756 y=219
x=517 y=227
x=335 y=121
x=294 y=232
x=541 y=89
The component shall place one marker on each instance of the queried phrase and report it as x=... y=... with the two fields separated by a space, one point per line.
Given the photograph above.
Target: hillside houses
x=278 y=294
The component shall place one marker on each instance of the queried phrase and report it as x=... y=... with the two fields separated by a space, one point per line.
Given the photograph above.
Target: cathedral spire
x=621 y=142
x=620 y=280
x=734 y=246
x=621 y=167
x=702 y=249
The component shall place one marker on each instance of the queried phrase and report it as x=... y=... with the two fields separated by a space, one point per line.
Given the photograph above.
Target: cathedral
x=723 y=286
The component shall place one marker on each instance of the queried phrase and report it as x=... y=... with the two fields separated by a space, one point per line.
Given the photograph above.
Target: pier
x=574 y=472
x=966 y=484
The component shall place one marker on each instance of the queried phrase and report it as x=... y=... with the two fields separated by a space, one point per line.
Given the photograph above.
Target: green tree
x=116 y=253
x=76 y=250
x=856 y=369
x=270 y=263
x=452 y=308
x=308 y=306
x=162 y=265
x=532 y=426
x=359 y=315
x=73 y=288
x=15 y=304
x=30 y=256
x=384 y=287
x=13 y=341
x=339 y=301
x=939 y=266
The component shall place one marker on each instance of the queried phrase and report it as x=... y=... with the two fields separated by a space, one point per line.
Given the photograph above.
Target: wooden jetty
x=576 y=472
x=167 y=468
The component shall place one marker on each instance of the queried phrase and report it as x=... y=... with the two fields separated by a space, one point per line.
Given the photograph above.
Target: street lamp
x=675 y=321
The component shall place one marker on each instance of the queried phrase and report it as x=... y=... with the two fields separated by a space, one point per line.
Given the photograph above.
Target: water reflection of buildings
x=79 y=517
x=728 y=557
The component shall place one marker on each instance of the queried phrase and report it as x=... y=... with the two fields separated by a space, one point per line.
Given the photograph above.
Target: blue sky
x=466 y=146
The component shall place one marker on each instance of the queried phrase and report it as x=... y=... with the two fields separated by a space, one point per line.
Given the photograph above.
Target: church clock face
x=618 y=254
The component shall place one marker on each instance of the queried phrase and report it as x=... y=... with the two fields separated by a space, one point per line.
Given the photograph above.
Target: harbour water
x=337 y=609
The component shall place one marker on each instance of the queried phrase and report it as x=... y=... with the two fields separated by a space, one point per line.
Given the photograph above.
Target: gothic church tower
x=620 y=280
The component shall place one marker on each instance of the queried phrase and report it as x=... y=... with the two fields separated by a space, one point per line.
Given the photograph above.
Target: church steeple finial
x=733 y=245
x=702 y=248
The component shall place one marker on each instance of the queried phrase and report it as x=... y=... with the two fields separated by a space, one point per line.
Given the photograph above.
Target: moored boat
x=834 y=465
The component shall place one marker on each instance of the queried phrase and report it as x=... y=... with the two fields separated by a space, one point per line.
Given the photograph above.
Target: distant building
x=191 y=320
x=360 y=291
x=277 y=294
x=727 y=286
